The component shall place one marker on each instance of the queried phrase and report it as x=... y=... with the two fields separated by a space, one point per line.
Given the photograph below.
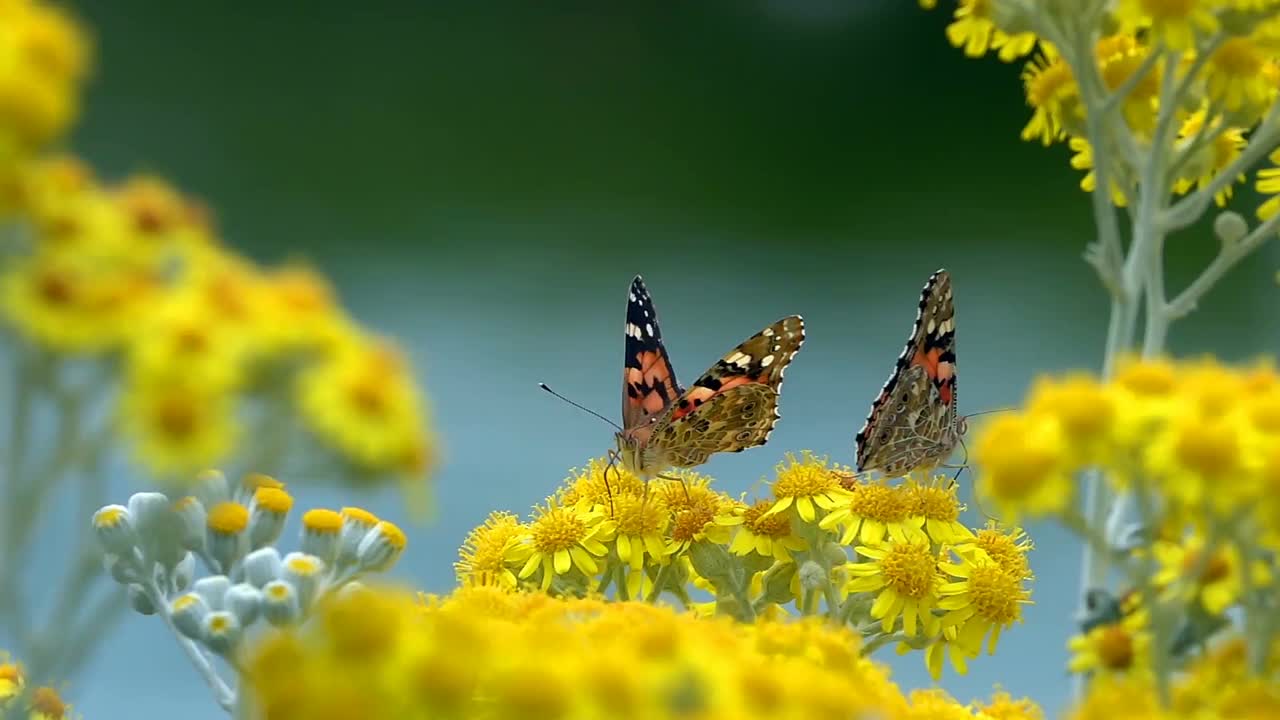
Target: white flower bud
x=191 y=518
x=140 y=601
x=226 y=537
x=221 y=631
x=188 y=613
x=356 y=523
x=184 y=572
x=280 y=603
x=212 y=488
x=304 y=573
x=267 y=513
x=381 y=547
x=114 y=529
x=245 y=602
x=261 y=566
x=320 y=532
x=812 y=576
x=156 y=524
x=213 y=589
x=1230 y=228
x=124 y=570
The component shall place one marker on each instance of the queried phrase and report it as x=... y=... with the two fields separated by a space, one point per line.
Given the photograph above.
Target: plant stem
x=222 y=693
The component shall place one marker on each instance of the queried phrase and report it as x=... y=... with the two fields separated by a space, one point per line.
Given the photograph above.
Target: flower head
x=906 y=580
x=559 y=540
x=1023 y=465
x=761 y=532
x=806 y=483
x=482 y=557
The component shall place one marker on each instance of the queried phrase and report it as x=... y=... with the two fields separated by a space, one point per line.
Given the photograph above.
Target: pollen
x=1239 y=56
x=1209 y=448
x=933 y=503
x=557 y=528
x=996 y=594
x=757 y=522
x=482 y=551
x=185 y=601
x=393 y=535
x=638 y=515
x=219 y=622
x=360 y=516
x=880 y=502
x=228 y=518
x=687 y=523
x=1009 y=550
x=305 y=565
x=1265 y=413
x=803 y=478
x=1045 y=79
x=322 y=522
x=1215 y=569
x=1115 y=648
x=910 y=569
x=273 y=499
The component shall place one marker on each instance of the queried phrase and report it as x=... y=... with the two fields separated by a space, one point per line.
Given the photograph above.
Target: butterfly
x=731 y=407
x=913 y=423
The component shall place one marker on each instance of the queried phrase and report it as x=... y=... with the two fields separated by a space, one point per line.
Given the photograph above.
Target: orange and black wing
x=648 y=381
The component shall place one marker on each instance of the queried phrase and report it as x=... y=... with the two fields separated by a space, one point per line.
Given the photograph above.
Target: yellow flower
x=46 y=704
x=806 y=483
x=936 y=505
x=984 y=600
x=1004 y=707
x=1113 y=648
x=560 y=539
x=1130 y=695
x=1176 y=23
x=1204 y=165
x=762 y=533
x=299 y=311
x=1023 y=465
x=640 y=523
x=874 y=510
x=1235 y=80
x=44 y=55
x=905 y=578
x=1083 y=160
x=1008 y=548
x=1119 y=57
x=482 y=557
x=1269 y=184
x=599 y=482
x=1199 y=457
x=364 y=401
x=179 y=427
x=182 y=336
x=1052 y=92
x=12 y=679
x=1085 y=411
x=695 y=507
x=935 y=704
x=1217 y=581
x=942 y=648
x=975 y=31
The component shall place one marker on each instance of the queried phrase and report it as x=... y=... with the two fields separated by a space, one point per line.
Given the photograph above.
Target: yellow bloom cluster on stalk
x=1195 y=447
x=17 y=700
x=378 y=653
x=1197 y=79
x=889 y=560
x=135 y=271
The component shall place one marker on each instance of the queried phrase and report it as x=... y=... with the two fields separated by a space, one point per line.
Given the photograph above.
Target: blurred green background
x=482 y=179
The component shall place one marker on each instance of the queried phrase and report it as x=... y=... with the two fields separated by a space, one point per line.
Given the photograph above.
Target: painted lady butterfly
x=732 y=407
x=913 y=423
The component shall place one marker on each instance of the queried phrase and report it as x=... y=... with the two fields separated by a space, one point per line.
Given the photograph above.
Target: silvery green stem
x=222 y=693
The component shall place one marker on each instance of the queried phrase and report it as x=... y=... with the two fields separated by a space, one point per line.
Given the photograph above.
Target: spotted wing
x=912 y=424
x=648 y=381
x=734 y=405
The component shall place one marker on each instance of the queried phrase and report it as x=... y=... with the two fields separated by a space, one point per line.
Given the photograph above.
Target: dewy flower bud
x=115 y=530
x=140 y=601
x=812 y=576
x=245 y=602
x=212 y=589
x=280 y=603
x=153 y=520
x=356 y=523
x=226 y=538
x=191 y=519
x=304 y=573
x=381 y=547
x=184 y=572
x=261 y=566
x=124 y=570
x=251 y=483
x=221 y=631
x=320 y=531
x=267 y=513
x=188 y=613
x=212 y=488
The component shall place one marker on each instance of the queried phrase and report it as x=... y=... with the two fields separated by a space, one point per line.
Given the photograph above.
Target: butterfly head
x=631 y=448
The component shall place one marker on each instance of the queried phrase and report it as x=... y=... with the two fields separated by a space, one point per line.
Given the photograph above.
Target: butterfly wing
x=648 y=381
x=912 y=423
x=734 y=405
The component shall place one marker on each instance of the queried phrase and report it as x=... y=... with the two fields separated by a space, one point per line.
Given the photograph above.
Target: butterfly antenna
x=988 y=412
x=584 y=409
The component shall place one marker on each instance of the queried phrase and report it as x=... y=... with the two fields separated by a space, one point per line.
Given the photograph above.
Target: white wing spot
x=768 y=332
x=648 y=329
x=633 y=297
x=766 y=361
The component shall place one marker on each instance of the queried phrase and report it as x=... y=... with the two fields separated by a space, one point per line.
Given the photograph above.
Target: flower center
x=1168 y=9
x=1051 y=79
x=482 y=551
x=639 y=515
x=755 y=520
x=1209 y=448
x=995 y=594
x=879 y=502
x=910 y=569
x=803 y=479
x=1115 y=648
x=1239 y=57
x=369 y=397
x=1005 y=550
x=689 y=522
x=557 y=529
x=1149 y=379
x=933 y=503
x=176 y=417
x=55 y=288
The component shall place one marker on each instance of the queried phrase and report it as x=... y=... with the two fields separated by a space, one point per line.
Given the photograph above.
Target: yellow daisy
x=906 y=580
x=983 y=600
x=559 y=540
x=762 y=533
x=482 y=558
x=806 y=483
x=872 y=511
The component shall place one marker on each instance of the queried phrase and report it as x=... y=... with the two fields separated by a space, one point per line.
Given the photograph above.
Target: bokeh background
x=482 y=179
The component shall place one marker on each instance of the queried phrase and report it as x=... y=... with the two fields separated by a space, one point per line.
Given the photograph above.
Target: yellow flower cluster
x=43 y=61
x=1216 y=62
x=890 y=560
x=375 y=653
x=136 y=271
x=42 y=703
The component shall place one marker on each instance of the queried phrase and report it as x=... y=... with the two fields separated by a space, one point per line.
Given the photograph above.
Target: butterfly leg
x=682 y=484
x=613 y=456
